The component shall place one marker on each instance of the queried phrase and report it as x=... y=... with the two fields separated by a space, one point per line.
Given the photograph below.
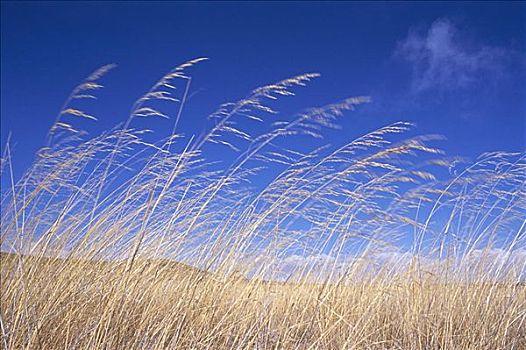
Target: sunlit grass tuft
x=119 y=241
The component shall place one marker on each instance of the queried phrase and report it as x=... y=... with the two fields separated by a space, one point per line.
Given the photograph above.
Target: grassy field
x=122 y=241
x=87 y=305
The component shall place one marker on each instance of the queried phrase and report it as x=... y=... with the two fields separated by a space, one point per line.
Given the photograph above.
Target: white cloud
x=497 y=262
x=316 y=265
x=494 y=263
x=442 y=59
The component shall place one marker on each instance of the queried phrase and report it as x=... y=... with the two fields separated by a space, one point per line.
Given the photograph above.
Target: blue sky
x=453 y=69
x=456 y=69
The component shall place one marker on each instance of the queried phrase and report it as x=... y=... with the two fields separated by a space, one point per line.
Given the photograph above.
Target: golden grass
x=79 y=305
x=121 y=242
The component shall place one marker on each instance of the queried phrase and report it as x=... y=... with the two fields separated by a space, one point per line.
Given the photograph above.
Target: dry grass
x=121 y=242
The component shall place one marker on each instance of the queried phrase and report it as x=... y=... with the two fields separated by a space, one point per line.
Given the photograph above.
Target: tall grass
x=120 y=242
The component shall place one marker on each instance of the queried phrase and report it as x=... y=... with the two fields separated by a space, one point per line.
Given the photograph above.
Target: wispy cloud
x=443 y=59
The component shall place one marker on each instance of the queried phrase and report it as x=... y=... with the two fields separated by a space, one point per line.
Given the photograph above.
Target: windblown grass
x=120 y=242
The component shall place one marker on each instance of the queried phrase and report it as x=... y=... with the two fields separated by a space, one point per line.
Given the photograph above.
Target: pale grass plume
x=115 y=241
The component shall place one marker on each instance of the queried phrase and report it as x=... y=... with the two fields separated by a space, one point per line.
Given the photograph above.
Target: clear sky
x=456 y=69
